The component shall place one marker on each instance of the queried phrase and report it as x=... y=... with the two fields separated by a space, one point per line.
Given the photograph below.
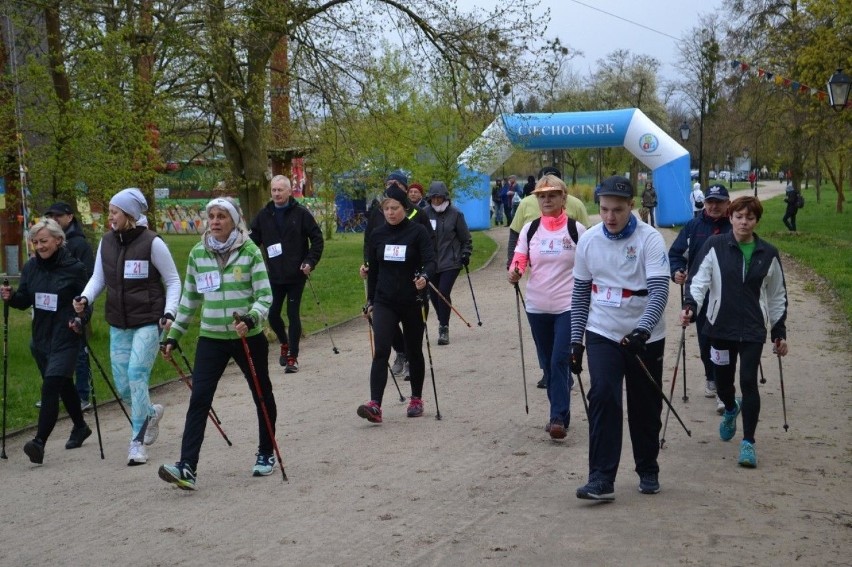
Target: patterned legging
x=132 y=353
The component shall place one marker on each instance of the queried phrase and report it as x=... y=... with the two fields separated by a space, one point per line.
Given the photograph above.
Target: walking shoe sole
x=35 y=454
x=77 y=443
x=290 y=370
x=135 y=463
x=558 y=431
x=164 y=474
x=655 y=490
x=607 y=497
x=261 y=473
x=368 y=415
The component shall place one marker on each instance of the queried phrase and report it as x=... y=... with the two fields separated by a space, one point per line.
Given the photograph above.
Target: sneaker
x=415 y=407
x=85 y=405
x=748 y=456
x=443 y=335
x=406 y=372
x=264 y=465
x=728 y=427
x=720 y=406
x=542 y=384
x=709 y=389
x=78 y=435
x=371 y=411
x=179 y=474
x=556 y=428
x=153 y=429
x=137 y=455
x=35 y=451
x=649 y=483
x=292 y=365
x=597 y=490
x=398 y=364
x=285 y=352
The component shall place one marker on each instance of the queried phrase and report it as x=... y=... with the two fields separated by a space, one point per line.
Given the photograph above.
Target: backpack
x=572 y=232
x=800 y=201
x=699 y=200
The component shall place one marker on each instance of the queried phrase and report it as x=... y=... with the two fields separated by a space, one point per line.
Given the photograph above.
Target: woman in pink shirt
x=546 y=248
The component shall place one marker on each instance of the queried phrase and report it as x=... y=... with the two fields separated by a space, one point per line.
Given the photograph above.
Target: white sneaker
x=720 y=406
x=153 y=429
x=709 y=389
x=138 y=454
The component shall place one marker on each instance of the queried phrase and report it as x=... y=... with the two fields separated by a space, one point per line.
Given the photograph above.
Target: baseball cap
x=616 y=186
x=717 y=192
x=59 y=208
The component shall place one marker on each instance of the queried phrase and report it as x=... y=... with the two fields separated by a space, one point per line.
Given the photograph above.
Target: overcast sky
x=595 y=27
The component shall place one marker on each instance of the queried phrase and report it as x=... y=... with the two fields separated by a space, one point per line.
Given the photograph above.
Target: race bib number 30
x=395 y=252
x=208 y=281
x=135 y=269
x=46 y=301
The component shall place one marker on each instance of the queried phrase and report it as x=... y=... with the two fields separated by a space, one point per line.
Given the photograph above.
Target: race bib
x=274 y=250
x=395 y=252
x=434 y=224
x=46 y=301
x=208 y=281
x=720 y=357
x=549 y=246
x=135 y=269
x=607 y=296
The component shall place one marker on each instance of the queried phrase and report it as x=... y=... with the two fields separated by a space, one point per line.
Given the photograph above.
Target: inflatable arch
x=628 y=127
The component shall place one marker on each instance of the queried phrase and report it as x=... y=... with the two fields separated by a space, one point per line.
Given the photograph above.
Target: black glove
x=165 y=318
x=249 y=320
x=169 y=342
x=635 y=341
x=465 y=260
x=575 y=363
x=76 y=325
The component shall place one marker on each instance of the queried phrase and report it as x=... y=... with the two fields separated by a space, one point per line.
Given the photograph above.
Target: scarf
x=626 y=232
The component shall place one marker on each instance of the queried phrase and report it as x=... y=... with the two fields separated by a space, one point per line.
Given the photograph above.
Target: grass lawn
x=338 y=288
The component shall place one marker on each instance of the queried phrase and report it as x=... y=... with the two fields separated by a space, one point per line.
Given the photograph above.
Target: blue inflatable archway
x=628 y=128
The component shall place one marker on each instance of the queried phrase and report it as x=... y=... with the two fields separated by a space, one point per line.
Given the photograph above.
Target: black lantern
x=838 y=90
x=684 y=131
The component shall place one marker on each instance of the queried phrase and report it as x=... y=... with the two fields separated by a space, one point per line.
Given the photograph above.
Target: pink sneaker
x=415 y=407
x=371 y=411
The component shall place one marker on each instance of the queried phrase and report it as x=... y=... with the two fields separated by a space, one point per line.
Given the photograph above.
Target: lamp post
x=838 y=90
x=684 y=131
x=730 y=164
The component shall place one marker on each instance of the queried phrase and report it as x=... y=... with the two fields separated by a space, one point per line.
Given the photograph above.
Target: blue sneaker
x=649 y=483
x=180 y=474
x=748 y=456
x=728 y=427
x=597 y=490
x=264 y=465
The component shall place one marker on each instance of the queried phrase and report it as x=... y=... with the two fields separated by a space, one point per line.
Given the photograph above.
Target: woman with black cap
x=454 y=244
x=401 y=257
x=135 y=267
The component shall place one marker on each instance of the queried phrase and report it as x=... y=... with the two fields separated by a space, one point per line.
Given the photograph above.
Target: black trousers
x=52 y=389
x=386 y=320
x=211 y=358
x=749 y=356
x=293 y=294
x=444 y=282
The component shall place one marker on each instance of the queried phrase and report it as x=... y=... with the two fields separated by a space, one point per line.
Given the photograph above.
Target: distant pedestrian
x=696 y=198
x=649 y=201
x=793 y=199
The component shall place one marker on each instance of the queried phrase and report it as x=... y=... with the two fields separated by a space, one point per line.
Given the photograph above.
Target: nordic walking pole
x=663 y=394
x=372 y=348
x=583 y=395
x=322 y=314
x=76 y=325
x=518 y=299
x=674 y=379
x=104 y=375
x=211 y=414
x=188 y=382
x=783 y=397
x=472 y=295
x=422 y=300
x=683 y=351
x=445 y=300
x=762 y=377
x=270 y=431
x=5 y=367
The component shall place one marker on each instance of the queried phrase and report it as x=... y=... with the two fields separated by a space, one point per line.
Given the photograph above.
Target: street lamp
x=730 y=163
x=838 y=90
x=684 y=131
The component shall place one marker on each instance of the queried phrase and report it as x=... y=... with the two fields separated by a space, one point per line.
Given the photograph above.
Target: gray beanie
x=132 y=202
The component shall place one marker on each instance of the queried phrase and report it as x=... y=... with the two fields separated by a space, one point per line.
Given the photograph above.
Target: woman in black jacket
x=401 y=257
x=50 y=281
x=454 y=245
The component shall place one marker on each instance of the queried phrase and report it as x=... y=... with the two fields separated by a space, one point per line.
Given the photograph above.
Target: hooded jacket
x=452 y=237
x=49 y=287
x=291 y=236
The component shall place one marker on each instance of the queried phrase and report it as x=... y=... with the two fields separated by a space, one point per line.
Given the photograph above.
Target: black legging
x=386 y=320
x=789 y=218
x=53 y=388
x=293 y=293
x=749 y=355
x=445 y=282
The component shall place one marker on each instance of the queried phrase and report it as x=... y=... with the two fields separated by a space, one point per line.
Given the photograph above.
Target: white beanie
x=133 y=203
x=697 y=186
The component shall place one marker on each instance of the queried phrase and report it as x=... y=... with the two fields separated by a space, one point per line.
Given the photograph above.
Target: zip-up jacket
x=395 y=254
x=452 y=237
x=287 y=242
x=692 y=237
x=741 y=304
x=377 y=219
x=49 y=286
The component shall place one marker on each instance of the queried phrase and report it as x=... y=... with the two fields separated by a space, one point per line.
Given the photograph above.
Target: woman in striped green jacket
x=225 y=274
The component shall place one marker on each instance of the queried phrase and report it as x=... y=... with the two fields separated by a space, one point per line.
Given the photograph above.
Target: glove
x=465 y=260
x=249 y=320
x=76 y=325
x=635 y=341
x=168 y=343
x=165 y=319
x=575 y=363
